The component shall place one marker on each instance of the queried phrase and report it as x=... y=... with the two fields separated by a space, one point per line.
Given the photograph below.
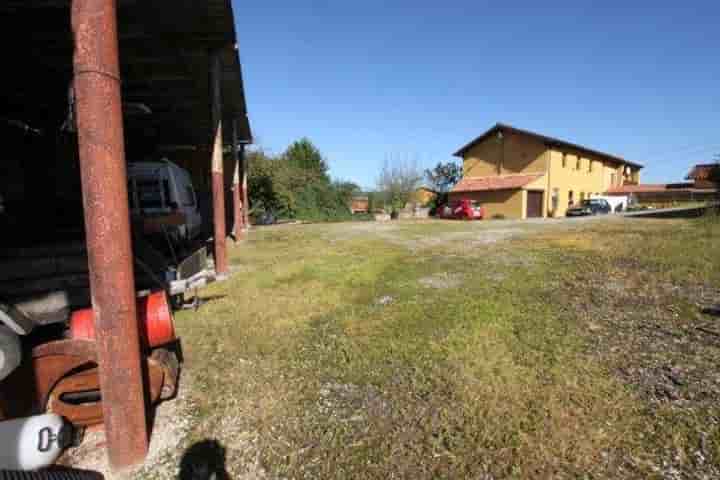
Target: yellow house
x=515 y=173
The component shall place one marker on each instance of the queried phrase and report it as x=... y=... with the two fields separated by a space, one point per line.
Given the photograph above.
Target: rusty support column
x=238 y=217
x=244 y=188
x=218 y=183
x=107 y=224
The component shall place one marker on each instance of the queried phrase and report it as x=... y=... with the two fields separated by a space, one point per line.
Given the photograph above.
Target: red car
x=462 y=210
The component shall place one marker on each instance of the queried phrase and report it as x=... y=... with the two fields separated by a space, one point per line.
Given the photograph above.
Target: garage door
x=534 y=204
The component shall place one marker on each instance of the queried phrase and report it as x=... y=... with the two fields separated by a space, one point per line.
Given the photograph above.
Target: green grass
x=501 y=374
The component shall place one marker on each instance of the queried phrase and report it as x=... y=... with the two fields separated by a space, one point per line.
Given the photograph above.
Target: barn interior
x=165 y=58
x=173 y=54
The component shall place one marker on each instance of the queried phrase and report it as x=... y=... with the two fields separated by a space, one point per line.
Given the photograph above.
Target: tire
x=53 y=474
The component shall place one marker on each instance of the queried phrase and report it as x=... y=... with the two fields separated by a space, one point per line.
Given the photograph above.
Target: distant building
x=701 y=188
x=360 y=204
x=705 y=175
x=520 y=174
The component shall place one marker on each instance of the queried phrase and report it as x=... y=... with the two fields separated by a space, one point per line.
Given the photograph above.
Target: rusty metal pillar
x=107 y=224
x=238 y=205
x=244 y=188
x=218 y=183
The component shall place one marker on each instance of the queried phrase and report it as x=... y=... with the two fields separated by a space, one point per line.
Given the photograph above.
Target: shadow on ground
x=204 y=460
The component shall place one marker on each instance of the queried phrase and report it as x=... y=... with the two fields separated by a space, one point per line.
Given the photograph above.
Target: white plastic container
x=33 y=443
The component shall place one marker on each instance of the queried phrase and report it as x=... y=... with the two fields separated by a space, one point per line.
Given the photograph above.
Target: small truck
x=462 y=210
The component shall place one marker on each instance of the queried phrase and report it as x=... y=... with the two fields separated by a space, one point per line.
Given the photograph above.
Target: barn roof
x=165 y=47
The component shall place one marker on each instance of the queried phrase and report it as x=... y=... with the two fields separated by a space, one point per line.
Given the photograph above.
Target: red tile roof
x=655 y=188
x=641 y=188
x=496 y=182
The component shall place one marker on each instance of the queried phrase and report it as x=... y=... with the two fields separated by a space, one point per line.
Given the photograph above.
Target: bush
x=363 y=217
x=296 y=185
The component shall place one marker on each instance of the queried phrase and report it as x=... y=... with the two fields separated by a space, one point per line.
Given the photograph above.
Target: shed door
x=534 y=204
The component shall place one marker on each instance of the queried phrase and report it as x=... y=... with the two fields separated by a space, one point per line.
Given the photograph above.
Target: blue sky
x=414 y=80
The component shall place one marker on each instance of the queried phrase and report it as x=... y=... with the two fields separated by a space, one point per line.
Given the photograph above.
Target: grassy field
x=463 y=350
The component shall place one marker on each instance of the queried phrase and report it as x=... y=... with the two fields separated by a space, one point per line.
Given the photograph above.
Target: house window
x=582 y=196
x=578 y=165
x=555 y=199
x=571 y=198
x=612 y=179
x=564 y=160
x=590 y=166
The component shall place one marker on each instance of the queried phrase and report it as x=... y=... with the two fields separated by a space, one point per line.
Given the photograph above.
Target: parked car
x=593 y=206
x=161 y=189
x=618 y=203
x=462 y=210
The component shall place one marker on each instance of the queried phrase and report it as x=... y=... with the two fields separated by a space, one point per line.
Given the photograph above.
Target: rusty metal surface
x=170 y=365
x=25 y=391
x=81 y=414
x=218 y=184
x=75 y=348
x=64 y=399
x=54 y=360
x=220 y=243
x=107 y=223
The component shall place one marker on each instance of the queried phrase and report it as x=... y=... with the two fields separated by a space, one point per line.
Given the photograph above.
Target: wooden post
x=107 y=225
x=244 y=187
x=218 y=183
x=238 y=205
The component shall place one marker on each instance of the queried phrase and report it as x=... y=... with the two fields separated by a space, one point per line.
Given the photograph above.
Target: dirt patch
x=667 y=351
x=655 y=339
x=351 y=403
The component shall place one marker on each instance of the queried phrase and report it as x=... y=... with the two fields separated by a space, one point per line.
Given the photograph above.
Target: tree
x=269 y=184
x=296 y=185
x=397 y=181
x=346 y=190
x=444 y=176
x=306 y=156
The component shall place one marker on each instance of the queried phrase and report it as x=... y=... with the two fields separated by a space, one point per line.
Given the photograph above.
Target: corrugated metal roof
x=165 y=47
x=496 y=182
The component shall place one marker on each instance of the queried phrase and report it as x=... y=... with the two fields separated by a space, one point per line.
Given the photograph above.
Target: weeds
x=535 y=361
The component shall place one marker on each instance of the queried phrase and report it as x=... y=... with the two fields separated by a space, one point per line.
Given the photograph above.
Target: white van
x=618 y=203
x=162 y=188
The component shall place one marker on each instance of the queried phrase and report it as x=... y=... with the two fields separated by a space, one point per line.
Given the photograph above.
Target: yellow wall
x=518 y=153
x=582 y=182
x=523 y=154
x=482 y=159
x=508 y=203
x=514 y=154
